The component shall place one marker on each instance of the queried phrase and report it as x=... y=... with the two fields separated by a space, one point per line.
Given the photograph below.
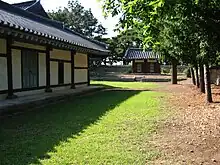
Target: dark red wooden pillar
x=73 y=52
x=134 y=68
x=48 y=87
x=9 y=69
x=88 y=70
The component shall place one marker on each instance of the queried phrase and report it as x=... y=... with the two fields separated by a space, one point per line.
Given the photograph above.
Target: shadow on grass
x=29 y=137
x=103 y=85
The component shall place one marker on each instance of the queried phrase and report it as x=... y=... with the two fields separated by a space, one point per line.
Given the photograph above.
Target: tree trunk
x=174 y=72
x=193 y=76
x=208 y=84
x=202 y=81
x=197 y=76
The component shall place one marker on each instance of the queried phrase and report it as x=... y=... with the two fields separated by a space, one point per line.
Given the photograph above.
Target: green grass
x=136 y=85
x=111 y=127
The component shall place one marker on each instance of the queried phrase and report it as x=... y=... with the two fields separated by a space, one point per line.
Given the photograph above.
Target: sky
x=95 y=6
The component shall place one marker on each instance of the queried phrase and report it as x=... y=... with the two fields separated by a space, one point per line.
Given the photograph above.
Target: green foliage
x=183 y=30
x=120 y=43
x=77 y=18
x=165 y=70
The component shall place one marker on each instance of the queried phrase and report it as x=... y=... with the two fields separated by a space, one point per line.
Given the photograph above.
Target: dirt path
x=192 y=134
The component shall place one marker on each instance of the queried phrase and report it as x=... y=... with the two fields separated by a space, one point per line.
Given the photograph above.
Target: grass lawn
x=133 y=85
x=110 y=127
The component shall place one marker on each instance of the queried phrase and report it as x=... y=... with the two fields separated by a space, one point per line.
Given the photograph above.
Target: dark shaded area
x=27 y=138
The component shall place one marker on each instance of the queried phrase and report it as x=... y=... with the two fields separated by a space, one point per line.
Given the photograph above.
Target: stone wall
x=215 y=75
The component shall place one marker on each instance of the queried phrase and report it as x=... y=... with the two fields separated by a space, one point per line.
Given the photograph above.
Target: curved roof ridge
x=36 y=2
x=52 y=22
x=15 y=17
x=27 y=14
x=25 y=5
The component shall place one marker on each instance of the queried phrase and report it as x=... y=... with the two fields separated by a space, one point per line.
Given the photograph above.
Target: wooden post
x=208 y=84
x=202 y=81
x=193 y=76
x=9 y=69
x=197 y=76
x=174 y=72
x=48 y=88
x=73 y=52
x=88 y=70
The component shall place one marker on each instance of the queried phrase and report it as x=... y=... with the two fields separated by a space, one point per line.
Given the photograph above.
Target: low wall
x=167 y=68
x=102 y=70
x=215 y=76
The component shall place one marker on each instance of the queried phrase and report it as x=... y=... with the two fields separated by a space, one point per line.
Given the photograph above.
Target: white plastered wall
x=42 y=69
x=3 y=74
x=80 y=75
x=67 y=73
x=53 y=73
x=3 y=67
x=60 y=54
x=16 y=69
x=80 y=60
x=2 y=46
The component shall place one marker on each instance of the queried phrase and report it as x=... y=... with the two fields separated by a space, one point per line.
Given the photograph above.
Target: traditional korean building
x=143 y=61
x=38 y=54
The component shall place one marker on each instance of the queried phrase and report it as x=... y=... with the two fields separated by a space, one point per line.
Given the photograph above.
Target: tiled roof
x=21 y=20
x=137 y=53
x=32 y=6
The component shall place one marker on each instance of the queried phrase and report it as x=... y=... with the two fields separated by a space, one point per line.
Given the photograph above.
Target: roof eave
x=62 y=44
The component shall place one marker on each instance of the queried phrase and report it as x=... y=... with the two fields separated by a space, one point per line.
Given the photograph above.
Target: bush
x=166 y=70
x=129 y=71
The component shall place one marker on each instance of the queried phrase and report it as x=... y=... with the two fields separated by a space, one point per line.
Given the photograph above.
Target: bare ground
x=192 y=134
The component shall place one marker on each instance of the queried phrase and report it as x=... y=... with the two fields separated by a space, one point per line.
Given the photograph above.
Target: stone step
x=18 y=108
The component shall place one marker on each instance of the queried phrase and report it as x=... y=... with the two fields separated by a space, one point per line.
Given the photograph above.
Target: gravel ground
x=192 y=134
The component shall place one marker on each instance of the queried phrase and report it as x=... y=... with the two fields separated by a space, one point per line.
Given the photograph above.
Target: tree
x=183 y=31
x=79 y=19
x=120 y=43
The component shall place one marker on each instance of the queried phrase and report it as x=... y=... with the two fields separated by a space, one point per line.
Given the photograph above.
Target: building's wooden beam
x=3 y=55
x=9 y=69
x=60 y=60
x=88 y=72
x=48 y=87
x=25 y=48
x=73 y=52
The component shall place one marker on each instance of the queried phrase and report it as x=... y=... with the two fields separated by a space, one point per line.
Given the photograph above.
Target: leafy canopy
x=79 y=19
x=183 y=30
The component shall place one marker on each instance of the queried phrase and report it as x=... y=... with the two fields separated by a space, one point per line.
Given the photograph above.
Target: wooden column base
x=9 y=97
x=73 y=86
x=48 y=90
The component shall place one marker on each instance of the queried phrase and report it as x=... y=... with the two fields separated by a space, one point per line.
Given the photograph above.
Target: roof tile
x=29 y=22
x=137 y=53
